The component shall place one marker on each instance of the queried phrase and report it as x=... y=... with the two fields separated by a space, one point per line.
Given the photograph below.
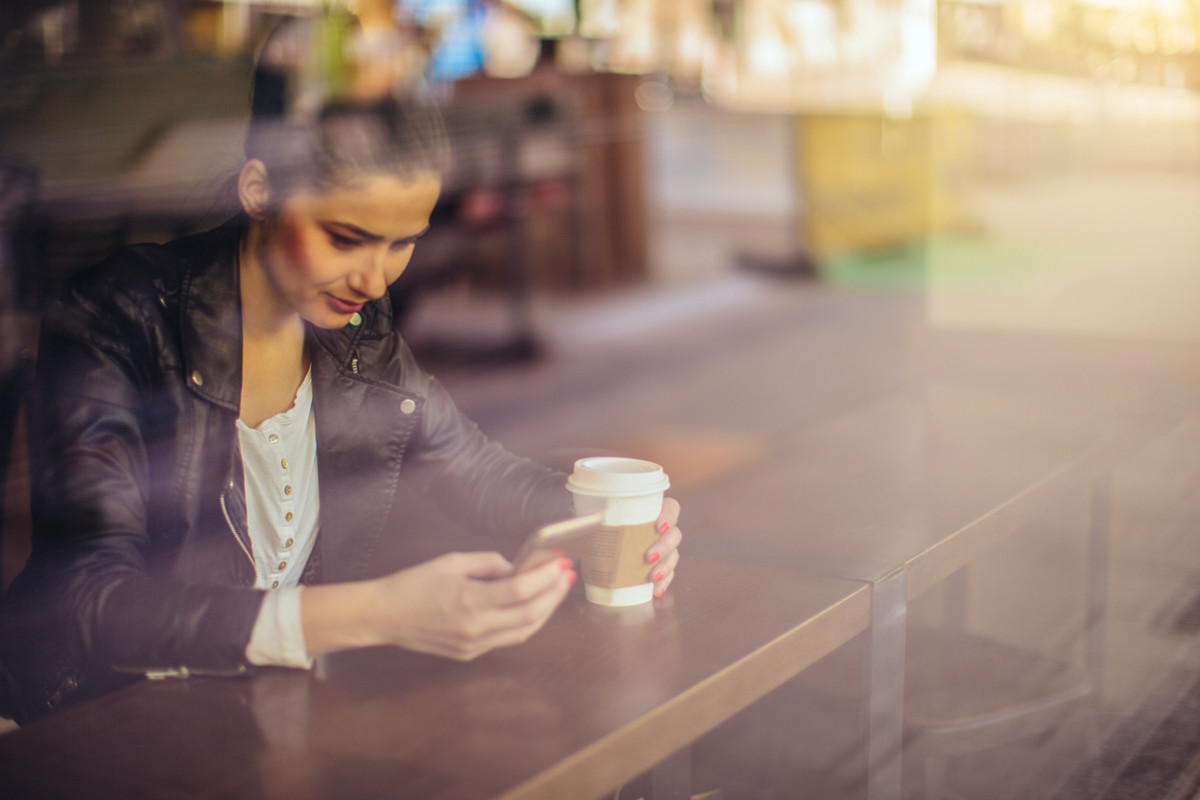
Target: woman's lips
x=343 y=306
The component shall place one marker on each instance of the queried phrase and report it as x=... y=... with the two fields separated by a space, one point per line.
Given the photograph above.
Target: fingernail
x=666 y=526
x=564 y=564
x=658 y=576
x=571 y=576
x=653 y=557
x=660 y=591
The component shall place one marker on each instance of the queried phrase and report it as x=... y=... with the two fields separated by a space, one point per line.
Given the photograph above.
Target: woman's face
x=328 y=253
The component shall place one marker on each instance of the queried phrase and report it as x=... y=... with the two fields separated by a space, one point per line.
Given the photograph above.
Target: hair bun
x=323 y=114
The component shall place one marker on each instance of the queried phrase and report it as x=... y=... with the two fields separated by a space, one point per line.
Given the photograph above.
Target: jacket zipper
x=238 y=539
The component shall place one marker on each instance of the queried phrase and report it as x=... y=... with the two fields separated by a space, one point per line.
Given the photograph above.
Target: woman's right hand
x=459 y=606
x=462 y=605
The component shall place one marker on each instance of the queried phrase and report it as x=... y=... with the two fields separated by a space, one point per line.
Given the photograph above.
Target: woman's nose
x=370 y=280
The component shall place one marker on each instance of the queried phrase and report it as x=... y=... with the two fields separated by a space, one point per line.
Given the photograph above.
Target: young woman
x=223 y=425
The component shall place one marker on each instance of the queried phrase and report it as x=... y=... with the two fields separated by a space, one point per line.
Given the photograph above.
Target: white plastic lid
x=610 y=476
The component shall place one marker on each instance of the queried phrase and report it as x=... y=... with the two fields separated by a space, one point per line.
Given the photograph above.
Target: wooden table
x=829 y=537
x=594 y=700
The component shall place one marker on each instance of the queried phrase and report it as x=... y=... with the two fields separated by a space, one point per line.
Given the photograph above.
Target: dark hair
x=343 y=140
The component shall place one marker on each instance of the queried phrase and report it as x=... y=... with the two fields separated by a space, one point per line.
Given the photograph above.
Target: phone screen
x=556 y=540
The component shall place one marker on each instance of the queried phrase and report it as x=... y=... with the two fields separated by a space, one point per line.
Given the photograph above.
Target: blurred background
x=614 y=143
x=709 y=232
x=606 y=144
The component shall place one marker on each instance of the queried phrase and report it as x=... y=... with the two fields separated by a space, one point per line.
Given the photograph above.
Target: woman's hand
x=664 y=553
x=459 y=606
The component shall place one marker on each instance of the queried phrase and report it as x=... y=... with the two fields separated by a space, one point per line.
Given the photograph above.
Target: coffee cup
x=628 y=493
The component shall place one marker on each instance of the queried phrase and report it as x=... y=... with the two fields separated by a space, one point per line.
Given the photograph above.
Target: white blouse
x=279 y=461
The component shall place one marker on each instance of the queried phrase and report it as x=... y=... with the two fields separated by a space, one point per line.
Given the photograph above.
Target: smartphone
x=556 y=540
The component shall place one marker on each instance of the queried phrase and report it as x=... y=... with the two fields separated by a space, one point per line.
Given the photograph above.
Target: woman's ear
x=254 y=190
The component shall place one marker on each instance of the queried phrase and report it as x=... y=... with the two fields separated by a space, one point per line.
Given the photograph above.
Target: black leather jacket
x=140 y=559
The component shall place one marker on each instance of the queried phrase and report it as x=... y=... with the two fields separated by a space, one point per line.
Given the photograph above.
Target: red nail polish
x=564 y=564
x=653 y=557
x=660 y=591
x=658 y=576
x=571 y=576
x=666 y=526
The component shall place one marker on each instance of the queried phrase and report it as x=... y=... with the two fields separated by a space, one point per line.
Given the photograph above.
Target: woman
x=223 y=425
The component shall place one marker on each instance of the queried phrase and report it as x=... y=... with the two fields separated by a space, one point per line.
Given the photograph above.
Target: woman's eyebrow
x=354 y=230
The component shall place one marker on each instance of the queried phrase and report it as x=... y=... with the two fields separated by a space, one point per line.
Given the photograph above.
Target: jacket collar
x=211 y=315
x=211 y=319
x=357 y=341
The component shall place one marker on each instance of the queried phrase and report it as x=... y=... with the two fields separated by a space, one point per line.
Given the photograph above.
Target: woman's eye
x=343 y=242
x=398 y=247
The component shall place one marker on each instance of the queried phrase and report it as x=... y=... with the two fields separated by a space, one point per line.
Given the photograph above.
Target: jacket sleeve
x=86 y=609
x=475 y=479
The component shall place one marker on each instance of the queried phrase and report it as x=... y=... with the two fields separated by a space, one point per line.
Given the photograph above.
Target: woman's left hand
x=664 y=554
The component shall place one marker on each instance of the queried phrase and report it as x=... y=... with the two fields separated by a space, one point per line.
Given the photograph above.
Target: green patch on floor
x=957 y=261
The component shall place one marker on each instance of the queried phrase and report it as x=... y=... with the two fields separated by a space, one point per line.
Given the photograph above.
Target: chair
x=966 y=692
x=18 y=188
x=15 y=523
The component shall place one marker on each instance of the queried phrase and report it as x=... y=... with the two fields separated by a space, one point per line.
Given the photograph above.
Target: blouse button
x=408 y=406
x=274 y=584
x=282 y=564
x=287 y=518
x=289 y=543
x=273 y=438
x=284 y=463
x=287 y=489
